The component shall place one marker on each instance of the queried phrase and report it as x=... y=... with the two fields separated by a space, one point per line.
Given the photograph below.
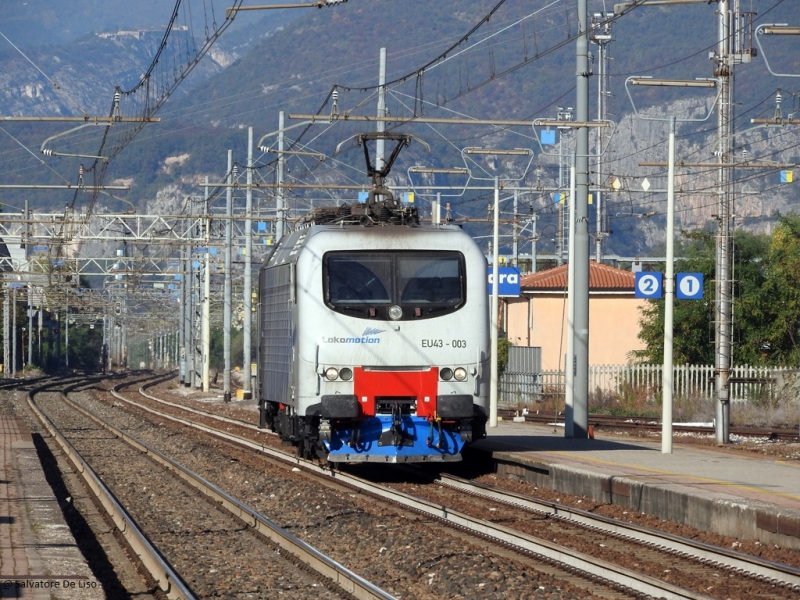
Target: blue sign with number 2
x=649 y=284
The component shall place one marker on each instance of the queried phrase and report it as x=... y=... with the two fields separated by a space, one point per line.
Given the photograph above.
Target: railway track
x=676 y=558
x=160 y=572
x=213 y=538
x=650 y=546
x=653 y=425
x=405 y=516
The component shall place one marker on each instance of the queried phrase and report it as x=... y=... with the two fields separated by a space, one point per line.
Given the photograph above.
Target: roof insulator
x=116 y=112
x=335 y=106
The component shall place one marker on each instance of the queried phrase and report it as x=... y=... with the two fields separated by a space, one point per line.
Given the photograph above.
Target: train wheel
x=308 y=445
x=479 y=427
x=266 y=417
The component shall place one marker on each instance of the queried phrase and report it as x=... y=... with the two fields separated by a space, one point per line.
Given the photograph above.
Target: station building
x=538 y=317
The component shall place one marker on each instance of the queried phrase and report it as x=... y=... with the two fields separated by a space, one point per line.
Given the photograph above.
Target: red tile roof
x=601 y=277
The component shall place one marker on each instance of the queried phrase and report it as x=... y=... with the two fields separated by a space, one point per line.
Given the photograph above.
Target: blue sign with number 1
x=689 y=286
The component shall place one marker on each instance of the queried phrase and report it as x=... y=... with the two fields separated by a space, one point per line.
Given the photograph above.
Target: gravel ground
x=87 y=530
x=782 y=450
x=217 y=555
x=685 y=572
x=409 y=556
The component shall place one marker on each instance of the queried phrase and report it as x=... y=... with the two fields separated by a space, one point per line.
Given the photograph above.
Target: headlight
x=346 y=374
x=395 y=312
x=460 y=374
x=446 y=374
x=331 y=373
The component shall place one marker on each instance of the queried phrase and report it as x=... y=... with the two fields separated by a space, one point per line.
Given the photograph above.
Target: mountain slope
x=293 y=66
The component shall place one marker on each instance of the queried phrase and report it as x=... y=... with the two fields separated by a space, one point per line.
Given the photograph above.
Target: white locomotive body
x=374 y=341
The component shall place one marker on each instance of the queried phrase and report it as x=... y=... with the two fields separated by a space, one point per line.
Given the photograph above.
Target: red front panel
x=423 y=385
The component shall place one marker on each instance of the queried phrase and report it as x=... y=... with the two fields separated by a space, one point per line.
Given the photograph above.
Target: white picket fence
x=692 y=381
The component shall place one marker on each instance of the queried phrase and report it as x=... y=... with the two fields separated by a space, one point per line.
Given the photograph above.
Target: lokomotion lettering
x=351 y=340
x=368 y=337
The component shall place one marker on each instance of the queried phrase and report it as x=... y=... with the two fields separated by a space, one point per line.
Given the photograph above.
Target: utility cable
x=36 y=156
x=43 y=74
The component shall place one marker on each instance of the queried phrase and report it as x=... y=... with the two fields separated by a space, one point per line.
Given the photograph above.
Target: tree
x=777 y=302
x=85 y=347
x=217 y=358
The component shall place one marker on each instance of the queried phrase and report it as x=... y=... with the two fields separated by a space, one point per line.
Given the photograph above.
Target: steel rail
x=341 y=576
x=610 y=574
x=654 y=424
x=12 y=382
x=162 y=572
x=744 y=563
x=750 y=565
x=197 y=411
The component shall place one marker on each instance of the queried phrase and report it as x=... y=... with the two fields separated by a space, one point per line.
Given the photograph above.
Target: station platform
x=39 y=558
x=724 y=490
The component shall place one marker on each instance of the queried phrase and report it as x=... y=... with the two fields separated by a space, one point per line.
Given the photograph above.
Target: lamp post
x=206 y=306
x=669 y=276
x=495 y=305
x=495 y=301
x=570 y=367
x=66 y=330
x=577 y=370
x=14 y=329
x=30 y=324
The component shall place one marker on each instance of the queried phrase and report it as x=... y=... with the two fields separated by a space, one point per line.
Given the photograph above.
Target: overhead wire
x=55 y=85
x=163 y=45
x=38 y=158
x=326 y=101
x=421 y=70
x=321 y=134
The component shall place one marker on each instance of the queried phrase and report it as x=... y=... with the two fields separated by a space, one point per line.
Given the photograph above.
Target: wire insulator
x=116 y=112
x=335 y=105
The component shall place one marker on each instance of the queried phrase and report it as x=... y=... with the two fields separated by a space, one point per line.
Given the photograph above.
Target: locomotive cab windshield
x=367 y=284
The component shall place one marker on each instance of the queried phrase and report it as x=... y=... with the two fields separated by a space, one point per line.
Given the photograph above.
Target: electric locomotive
x=374 y=336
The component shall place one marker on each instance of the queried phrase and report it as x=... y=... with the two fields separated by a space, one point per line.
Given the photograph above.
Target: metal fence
x=522 y=378
x=692 y=381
